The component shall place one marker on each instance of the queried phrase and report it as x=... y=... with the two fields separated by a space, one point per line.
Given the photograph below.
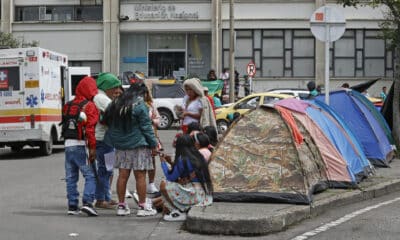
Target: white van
x=31 y=97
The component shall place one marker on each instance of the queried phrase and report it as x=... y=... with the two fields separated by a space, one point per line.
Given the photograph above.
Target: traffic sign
x=251 y=69
x=327 y=24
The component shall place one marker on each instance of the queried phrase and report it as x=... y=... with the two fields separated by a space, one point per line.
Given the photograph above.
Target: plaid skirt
x=185 y=196
x=135 y=159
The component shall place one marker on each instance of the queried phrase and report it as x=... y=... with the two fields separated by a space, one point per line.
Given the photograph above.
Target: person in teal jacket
x=131 y=133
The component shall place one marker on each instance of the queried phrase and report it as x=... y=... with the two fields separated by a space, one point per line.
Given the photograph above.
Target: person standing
x=211 y=76
x=196 y=107
x=155 y=120
x=217 y=101
x=210 y=99
x=246 y=85
x=224 y=76
x=383 y=93
x=107 y=84
x=131 y=133
x=77 y=158
x=191 y=106
x=237 y=84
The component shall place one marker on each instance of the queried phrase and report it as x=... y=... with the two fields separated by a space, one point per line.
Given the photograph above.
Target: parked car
x=166 y=97
x=244 y=105
x=299 y=93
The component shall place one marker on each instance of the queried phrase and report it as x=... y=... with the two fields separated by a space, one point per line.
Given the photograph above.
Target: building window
x=95 y=66
x=361 y=53
x=59 y=13
x=276 y=53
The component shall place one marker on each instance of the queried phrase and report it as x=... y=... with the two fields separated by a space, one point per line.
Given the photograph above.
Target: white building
x=190 y=37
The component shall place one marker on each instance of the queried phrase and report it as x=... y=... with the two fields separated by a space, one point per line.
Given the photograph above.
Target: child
x=201 y=142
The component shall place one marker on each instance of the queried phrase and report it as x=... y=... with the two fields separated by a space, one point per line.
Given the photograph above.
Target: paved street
x=33 y=206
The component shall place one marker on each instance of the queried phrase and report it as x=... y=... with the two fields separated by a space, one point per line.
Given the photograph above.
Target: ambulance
x=33 y=86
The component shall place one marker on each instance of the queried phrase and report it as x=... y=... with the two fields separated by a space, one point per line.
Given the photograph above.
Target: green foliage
x=7 y=40
x=391 y=25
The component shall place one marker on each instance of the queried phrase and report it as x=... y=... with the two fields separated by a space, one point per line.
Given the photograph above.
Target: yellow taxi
x=225 y=113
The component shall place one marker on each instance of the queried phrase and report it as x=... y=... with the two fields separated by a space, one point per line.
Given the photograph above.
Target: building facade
x=183 y=38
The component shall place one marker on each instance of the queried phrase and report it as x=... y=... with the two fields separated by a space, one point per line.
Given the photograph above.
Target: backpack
x=70 y=120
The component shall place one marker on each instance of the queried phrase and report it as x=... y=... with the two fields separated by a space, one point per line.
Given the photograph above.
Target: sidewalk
x=260 y=219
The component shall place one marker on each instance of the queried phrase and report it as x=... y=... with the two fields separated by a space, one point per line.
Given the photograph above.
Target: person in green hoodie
x=107 y=84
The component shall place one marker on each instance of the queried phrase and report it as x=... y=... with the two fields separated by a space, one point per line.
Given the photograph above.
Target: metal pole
x=327 y=59
x=231 y=53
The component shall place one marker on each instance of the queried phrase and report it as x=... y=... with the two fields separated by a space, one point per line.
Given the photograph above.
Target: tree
x=391 y=31
x=7 y=40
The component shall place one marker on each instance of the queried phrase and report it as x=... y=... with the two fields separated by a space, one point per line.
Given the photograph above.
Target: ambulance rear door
x=12 y=92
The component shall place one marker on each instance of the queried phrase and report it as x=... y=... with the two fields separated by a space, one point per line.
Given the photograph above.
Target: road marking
x=341 y=220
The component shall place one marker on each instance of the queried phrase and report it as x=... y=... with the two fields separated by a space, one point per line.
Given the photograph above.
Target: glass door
x=163 y=64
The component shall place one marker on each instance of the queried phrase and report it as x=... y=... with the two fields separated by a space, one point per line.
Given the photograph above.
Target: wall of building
x=101 y=41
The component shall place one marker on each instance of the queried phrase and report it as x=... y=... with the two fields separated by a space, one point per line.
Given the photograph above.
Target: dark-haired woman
x=188 y=182
x=131 y=133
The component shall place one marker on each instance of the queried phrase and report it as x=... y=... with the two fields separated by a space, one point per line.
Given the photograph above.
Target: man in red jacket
x=77 y=158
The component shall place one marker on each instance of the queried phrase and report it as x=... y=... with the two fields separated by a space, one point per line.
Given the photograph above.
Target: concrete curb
x=209 y=221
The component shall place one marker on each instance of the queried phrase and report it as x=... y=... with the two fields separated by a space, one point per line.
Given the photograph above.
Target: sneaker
x=146 y=211
x=151 y=188
x=128 y=194
x=89 y=210
x=175 y=216
x=123 y=210
x=73 y=210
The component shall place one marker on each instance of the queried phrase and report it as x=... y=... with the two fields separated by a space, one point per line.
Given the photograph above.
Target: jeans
x=75 y=161
x=103 y=186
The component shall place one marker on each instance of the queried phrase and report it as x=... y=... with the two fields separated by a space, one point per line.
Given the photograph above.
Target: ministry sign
x=163 y=12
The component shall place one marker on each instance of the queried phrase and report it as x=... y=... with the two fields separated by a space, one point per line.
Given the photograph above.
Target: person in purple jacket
x=188 y=181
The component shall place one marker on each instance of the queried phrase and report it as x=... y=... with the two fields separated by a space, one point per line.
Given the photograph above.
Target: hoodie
x=86 y=90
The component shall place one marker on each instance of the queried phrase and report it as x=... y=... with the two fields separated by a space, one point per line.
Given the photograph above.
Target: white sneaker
x=151 y=188
x=146 y=211
x=123 y=210
x=128 y=194
x=175 y=216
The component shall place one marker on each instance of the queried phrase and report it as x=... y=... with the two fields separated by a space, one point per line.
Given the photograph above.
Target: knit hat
x=107 y=81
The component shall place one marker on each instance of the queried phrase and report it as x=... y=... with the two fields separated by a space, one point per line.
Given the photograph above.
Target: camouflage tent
x=260 y=159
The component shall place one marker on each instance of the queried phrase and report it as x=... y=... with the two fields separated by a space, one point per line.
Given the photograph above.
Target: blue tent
x=337 y=133
x=342 y=137
x=363 y=124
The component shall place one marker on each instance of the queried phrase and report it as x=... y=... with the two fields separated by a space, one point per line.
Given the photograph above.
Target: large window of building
x=291 y=53
x=361 y=53
x=59 y=13
x=277 y=53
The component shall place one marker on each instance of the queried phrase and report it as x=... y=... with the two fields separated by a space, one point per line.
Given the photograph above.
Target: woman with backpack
x=131 y=133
